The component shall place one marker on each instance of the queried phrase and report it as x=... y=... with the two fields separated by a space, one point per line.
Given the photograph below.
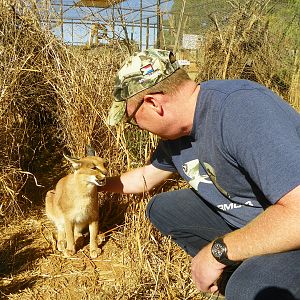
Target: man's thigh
x=268 y=277
x=187 y=218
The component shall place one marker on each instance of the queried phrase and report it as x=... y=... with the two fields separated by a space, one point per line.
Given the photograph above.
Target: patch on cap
x=146 y=70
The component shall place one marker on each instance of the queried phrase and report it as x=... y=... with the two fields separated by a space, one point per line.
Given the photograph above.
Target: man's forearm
x=120 y=184
x=136 y=181
x=275 y=230
x=131 y=182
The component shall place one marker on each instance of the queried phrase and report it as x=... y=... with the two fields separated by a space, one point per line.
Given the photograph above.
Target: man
x=238 y=145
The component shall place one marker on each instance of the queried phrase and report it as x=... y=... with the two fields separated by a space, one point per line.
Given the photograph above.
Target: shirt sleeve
x=261 y=133
x=162 y=159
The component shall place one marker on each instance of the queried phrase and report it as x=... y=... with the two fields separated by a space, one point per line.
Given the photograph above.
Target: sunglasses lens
x=130 y=119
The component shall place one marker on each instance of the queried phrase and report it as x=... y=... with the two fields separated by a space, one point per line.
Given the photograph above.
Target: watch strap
x=223 y=258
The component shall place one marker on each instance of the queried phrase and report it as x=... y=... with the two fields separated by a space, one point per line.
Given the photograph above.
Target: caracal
x=73 y=205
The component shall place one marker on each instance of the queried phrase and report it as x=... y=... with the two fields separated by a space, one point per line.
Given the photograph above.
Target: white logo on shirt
x=229 y=206
x=191 y=169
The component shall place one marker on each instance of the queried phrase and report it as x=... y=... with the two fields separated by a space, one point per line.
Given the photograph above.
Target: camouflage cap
x=140 y=71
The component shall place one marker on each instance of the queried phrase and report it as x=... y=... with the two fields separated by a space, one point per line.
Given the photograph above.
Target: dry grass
x=29 y=134
x=55 y=98
x=247 y=47
x=137 y=263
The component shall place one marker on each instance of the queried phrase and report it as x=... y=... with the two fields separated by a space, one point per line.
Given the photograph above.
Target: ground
x=31 y=269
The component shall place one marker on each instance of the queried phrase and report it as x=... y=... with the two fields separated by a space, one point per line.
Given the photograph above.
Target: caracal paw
x=61 y=245
x=95 y=252
x=69 y=253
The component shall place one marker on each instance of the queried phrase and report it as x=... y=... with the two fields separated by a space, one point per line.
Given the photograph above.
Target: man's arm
x=275 y=230
x=136 y=181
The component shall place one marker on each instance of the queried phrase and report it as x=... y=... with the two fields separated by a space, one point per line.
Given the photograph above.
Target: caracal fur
x=73 y=205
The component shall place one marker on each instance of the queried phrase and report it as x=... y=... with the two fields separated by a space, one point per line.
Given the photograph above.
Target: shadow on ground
x=17 y=257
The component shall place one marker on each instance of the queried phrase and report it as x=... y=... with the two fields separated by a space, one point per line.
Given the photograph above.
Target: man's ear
x=155 y=102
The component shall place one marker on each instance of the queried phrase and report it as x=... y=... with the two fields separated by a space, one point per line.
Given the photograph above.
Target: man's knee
x=158 y=212
x=268 y=277
x=163 y=205
x=153 y=207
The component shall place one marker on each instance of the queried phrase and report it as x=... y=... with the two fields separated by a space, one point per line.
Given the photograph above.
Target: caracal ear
x=74 y=161
x=90 y=151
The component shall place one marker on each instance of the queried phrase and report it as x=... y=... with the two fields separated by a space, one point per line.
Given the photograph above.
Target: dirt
x=31 y=269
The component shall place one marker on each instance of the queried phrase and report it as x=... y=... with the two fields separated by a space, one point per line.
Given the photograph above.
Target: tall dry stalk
x=247 y=48
x=294 y=92
x=53 y=99
x=25 y=99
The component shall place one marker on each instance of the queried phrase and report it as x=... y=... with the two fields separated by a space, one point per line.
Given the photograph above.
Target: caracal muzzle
x=73 y=205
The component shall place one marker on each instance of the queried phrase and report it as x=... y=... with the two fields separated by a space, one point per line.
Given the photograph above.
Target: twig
x=215 y=21
x=179 y=26
x=35 y=180
x=228 y=53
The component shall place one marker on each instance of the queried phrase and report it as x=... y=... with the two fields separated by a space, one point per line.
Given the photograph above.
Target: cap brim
x=116 y=112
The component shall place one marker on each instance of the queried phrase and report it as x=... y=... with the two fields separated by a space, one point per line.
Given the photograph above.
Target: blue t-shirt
x=243 y=153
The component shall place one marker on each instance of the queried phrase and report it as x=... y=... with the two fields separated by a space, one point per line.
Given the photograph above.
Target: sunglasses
x=130 y=119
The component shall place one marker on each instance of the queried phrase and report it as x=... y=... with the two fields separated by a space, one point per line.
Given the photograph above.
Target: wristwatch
x=219 y=252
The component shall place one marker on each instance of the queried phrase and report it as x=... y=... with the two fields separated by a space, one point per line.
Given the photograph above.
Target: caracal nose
x=100 y=180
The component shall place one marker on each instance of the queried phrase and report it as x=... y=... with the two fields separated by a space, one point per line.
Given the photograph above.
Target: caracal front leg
x=69 y=227
x=61 y=243
x=93 y=228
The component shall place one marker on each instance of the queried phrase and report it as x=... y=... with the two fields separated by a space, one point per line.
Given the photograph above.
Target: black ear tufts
x=90 y=151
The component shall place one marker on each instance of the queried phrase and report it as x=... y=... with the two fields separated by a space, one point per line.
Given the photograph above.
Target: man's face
x=146 y=117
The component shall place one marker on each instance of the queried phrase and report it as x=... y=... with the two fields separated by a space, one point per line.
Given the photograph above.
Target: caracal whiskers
x=73 y=205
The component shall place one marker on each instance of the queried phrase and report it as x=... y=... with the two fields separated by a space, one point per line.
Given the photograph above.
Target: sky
x=78 y=20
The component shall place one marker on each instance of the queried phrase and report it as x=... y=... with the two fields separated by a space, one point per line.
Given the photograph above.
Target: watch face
x=218 y=250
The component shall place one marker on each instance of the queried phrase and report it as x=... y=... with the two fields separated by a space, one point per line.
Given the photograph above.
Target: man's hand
x=206 y=270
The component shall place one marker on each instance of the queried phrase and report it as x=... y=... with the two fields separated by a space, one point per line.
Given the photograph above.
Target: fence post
x=179 y=26
x=141 y=24
x=158 y=25
x=147 y=33
x=62 y=19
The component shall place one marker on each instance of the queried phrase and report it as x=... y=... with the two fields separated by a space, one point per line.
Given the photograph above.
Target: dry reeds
x=54 y=98
x=246 y=47
x=25 y=99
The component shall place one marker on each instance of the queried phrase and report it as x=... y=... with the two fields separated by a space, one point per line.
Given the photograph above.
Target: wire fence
x=78 y=24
